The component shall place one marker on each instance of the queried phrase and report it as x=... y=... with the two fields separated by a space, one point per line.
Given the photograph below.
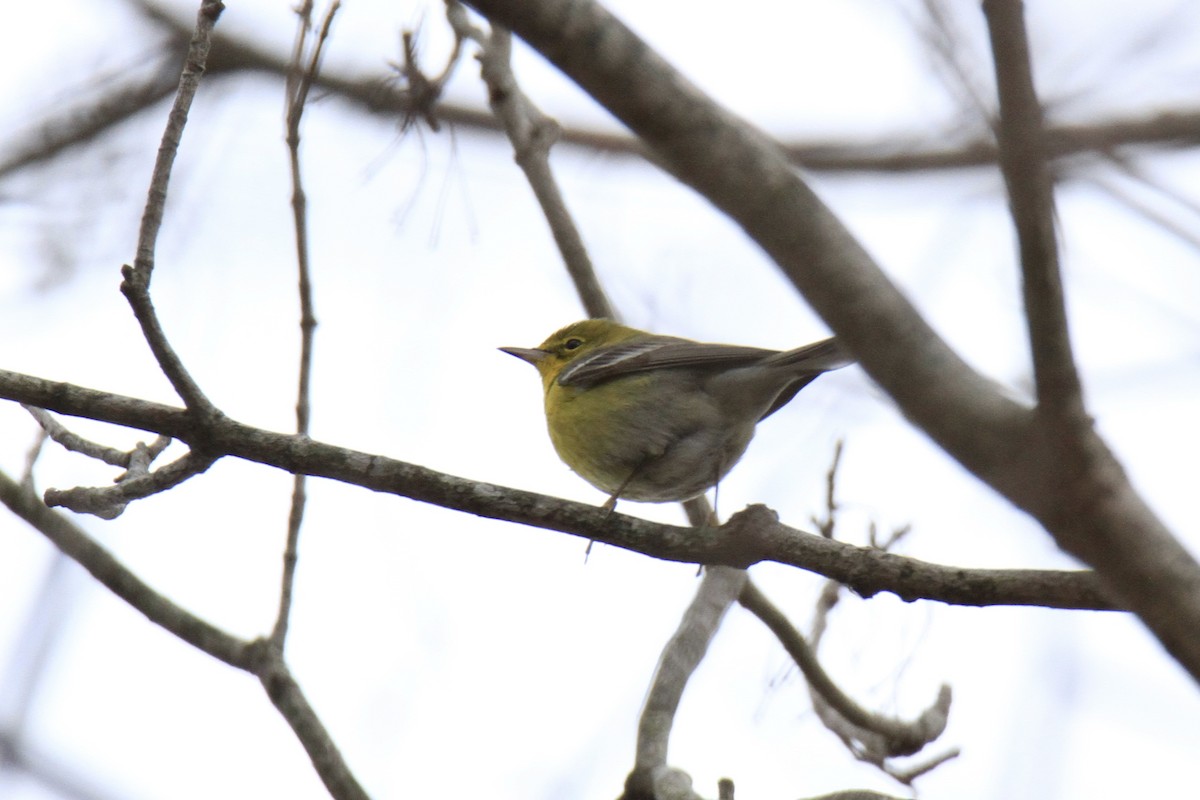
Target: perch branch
x=750 y=536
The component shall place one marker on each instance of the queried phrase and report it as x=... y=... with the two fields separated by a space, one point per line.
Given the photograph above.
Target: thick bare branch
x=1088 y=502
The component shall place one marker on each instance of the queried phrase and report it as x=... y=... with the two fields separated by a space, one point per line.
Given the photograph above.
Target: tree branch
x=870 y=738
x=532 y=134
x=260 y=657
x=118 y=579
x=286 y=695
x=893 y=152
x=718 y=590
x=136 y=283
x=1031 y=201
x=1088 y=502
x=108 y=502
x=300 y=81
x=748 y=537
x=895 y=737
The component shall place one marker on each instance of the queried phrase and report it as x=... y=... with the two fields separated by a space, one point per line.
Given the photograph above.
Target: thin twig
x=532 y=134
x=869 y=737
x=903 y=738
x=298 y=86
x=286 y=695
x=1147 y=211
x=136 y=283
x=109 y=502
x=189 y=82
x=137 y=460
x=31 y=457
x=826 y=523
x=137 y=294
x=72 y=441
x=1071 y=480
x=1150 y=212
x=1031 y=201
x=947 y=44
x=1134 y=169
x=422 y=94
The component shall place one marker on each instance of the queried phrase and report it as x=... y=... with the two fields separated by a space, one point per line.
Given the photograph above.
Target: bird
x=656 y=419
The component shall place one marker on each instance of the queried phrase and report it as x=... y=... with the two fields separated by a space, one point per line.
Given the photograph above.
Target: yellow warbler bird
x=658 y=418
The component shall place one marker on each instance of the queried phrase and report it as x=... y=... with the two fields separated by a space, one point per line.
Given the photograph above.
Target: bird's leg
x=610 y=505
x=715 y=518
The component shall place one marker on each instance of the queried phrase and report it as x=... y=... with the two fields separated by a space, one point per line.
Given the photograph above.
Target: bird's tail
x=817 y=357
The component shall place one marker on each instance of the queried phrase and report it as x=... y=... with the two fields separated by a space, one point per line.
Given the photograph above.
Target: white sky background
x=457 y=657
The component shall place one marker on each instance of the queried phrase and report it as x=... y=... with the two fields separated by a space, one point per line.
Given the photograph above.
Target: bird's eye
x=572 y=344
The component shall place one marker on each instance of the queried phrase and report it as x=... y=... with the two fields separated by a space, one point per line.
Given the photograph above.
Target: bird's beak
x=530 y=354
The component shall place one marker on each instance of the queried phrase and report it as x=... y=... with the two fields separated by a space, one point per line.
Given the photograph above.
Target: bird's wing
x=657 y=352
